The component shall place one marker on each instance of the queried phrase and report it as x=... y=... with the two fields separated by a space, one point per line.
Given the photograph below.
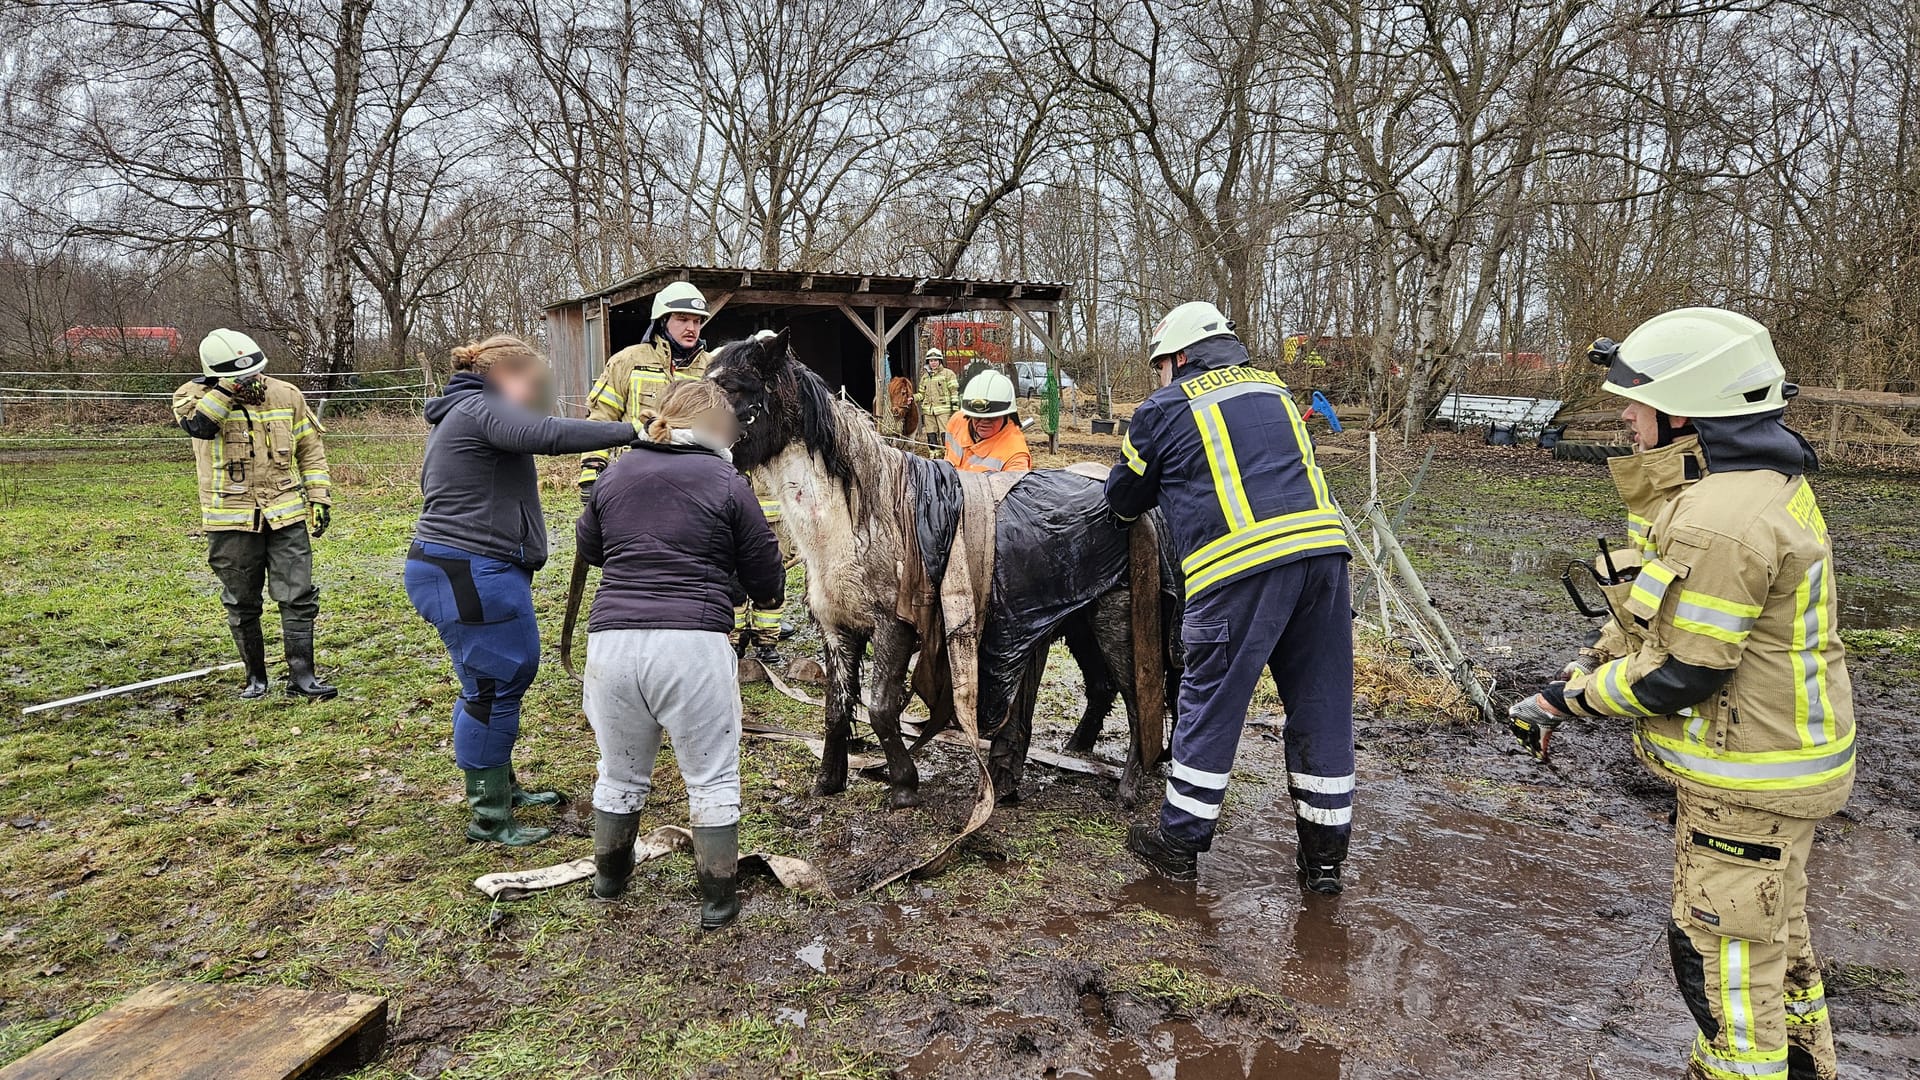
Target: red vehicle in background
x=153 y=341
x=966 y=340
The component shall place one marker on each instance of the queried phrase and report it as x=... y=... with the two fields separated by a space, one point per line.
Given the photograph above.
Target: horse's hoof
x=903 y=798
x=1077 y=745
x=823 y=787
x=1008 y=798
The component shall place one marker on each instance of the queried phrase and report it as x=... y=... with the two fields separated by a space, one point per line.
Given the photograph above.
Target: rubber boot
x=490 y=794
x=613 y=836
x=253 y=653
x=716 y=858
x=300 y=677
x=523 y=797
x=1323 y=878
x=1163 y=854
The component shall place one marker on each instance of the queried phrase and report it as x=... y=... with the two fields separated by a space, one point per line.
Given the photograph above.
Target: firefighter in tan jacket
x=637 y=377
x=263 y=477
x=1725 y=651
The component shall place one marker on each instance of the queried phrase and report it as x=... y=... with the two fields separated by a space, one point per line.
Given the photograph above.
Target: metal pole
x=96 y=695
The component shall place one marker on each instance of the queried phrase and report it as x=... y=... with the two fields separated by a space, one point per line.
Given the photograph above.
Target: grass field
x=183 y=833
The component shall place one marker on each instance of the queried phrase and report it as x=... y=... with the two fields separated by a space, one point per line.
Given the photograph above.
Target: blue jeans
x=1295 y=620
x=483 y=609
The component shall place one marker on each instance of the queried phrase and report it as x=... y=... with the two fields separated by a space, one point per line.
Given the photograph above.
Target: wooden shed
x=857 y=330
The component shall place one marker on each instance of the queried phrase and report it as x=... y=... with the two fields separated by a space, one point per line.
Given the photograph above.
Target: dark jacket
x=482 y=492
x=671 y=527
x=1224 y=453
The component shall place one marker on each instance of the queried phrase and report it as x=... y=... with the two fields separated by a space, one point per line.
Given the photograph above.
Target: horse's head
x=780 y=402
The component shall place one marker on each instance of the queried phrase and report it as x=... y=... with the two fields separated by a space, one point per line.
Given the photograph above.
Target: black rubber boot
x=253 y=653
x=716 y=858
x=523 y=797
x=1163 y=854
x=490 y=794
x=1323 y=878
x=300 y=677
x=613 y=836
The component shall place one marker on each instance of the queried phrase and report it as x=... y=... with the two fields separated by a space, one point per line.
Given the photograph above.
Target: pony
x=906 y=410
x=836 y=478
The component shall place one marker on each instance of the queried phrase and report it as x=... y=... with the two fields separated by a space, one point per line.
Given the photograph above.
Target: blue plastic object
x=1325 y=408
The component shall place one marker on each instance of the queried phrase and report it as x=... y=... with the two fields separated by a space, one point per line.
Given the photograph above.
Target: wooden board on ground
x=203 y=1031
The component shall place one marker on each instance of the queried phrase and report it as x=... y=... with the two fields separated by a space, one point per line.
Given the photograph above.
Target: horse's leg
x=1084 y=644
x=1007 y=758
x=844 y=649
x=892 y=645
x=1113 y=629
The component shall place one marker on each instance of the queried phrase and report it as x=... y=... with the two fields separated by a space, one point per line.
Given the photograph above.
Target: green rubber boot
x=523 y=797
x=613 y=837
x=716 y=858
x=490 y=794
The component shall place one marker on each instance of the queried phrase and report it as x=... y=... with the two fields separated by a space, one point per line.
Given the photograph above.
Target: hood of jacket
x=1754 y=443
x=1215 y=352
x=462 y=386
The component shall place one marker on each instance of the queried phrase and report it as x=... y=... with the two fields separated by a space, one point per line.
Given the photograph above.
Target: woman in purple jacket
x=672 y=525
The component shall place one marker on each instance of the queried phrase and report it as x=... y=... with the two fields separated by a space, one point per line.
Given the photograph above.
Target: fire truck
x=966 y=340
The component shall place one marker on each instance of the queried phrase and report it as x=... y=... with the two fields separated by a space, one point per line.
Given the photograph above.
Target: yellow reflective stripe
x=1766 y=770
x=1305 y=442
x=766 y=620
x=316 y=479
x=1710 y=616
x=1134 y=461
x=1218 y=445
x=1737 y=1064
x=1808 y=1006
x=302 y=428
x=267 y=416
x=1650 y=585
x=1331 y=539
x=286 y=509
x=1260 y=531
x=1616 y=690
x=770 y=509
x=1736 y=1002
x=212 y=408
x=1812 y=708
x=605 y=395
x=212 y=516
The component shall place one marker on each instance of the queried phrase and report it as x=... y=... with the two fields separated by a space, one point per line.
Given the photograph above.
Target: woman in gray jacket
x=480 y=537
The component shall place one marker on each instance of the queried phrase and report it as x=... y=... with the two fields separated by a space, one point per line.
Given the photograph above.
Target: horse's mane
x=821 y=422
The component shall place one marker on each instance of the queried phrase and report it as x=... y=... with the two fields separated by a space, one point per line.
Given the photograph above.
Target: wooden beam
x=828 y=298
x=866 y=285
x=919 y=286
x=966 y=288
x=1826 y=395
x=894 y=331
x=714 y=305
x=1015 y=292
x=806 y=282
x=746 y=278
x=865 y=330
x=1033 y=325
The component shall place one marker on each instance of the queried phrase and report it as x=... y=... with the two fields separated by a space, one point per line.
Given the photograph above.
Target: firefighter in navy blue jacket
x=1222 y=449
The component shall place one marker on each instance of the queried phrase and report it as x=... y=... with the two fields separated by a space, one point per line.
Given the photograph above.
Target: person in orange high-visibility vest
x=985 y=435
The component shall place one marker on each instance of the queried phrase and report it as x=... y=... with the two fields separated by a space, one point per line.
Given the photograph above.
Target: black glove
x=1533 y=720
x=322 y=517
x=1115 y=521
x=586 y=491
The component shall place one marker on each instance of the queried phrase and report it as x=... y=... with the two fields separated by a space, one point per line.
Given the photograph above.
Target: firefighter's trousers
x=1741 y=952
x=1294 y=619
x=483 y=609
x=279 y=559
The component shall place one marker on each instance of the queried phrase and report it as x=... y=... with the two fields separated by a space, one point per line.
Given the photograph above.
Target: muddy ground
x=1503 y=918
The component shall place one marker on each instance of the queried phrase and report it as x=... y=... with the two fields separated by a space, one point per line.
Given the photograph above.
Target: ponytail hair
x=503 y=351
x=683 y=403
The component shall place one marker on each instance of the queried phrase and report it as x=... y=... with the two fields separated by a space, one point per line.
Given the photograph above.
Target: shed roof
x=830 y=286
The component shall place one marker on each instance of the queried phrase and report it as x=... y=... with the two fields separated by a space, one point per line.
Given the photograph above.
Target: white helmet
x=682 y=297
x=1696 y=362
x=987 y=394
x=1195 y=320
x=936 y=355
x=230 y=354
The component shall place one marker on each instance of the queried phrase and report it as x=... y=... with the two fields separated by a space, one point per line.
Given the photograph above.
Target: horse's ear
x=773 y=350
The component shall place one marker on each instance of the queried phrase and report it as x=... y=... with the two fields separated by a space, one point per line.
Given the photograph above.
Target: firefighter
x=263 y=479
x=939 y=392
x=637 y=377
x=1725 y=650
x=1221 y=448
x=985 y=435
x=758 y=628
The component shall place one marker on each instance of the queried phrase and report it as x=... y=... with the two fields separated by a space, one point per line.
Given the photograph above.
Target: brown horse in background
x=906 y=409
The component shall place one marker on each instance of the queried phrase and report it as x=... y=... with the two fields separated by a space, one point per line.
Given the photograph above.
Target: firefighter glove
x=1583 y=663
x=1533 y=720
x=322 y=517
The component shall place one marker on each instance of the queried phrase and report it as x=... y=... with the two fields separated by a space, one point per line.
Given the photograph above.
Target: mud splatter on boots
x=716 y=857
x=613 y=836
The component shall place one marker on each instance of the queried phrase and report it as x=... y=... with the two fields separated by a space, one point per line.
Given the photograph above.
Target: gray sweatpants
x=641 y=684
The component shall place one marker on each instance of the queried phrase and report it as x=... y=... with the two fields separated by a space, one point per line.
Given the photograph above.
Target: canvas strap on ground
x=797 y=874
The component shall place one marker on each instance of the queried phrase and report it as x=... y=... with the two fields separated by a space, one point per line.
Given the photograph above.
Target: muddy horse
x=836 y=478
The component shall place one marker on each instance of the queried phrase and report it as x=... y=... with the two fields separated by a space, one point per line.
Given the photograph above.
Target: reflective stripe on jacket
x=1740 y=579
x=267 y=464
x=635 y=378
x=1004 y=451
x=1224 y=453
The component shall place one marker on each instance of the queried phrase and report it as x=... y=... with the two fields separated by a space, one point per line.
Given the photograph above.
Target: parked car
x=1030 y=380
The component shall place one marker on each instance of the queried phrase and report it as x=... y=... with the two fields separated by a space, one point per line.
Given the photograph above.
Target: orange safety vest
x=1005 y=451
